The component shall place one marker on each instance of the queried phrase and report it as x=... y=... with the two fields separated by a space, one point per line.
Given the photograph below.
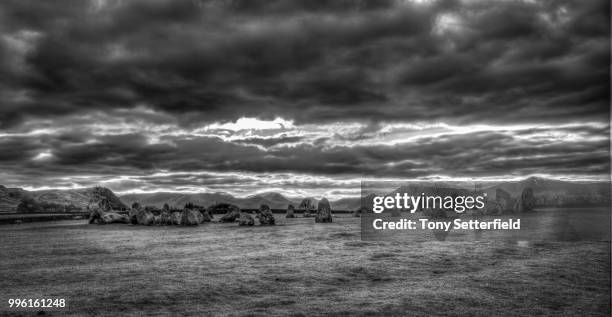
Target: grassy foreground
x=296 y=268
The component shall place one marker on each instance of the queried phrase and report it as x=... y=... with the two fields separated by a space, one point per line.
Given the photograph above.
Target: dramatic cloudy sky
x=301 y=97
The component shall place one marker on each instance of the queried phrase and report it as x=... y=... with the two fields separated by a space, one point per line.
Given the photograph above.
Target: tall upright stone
x=323 y=211
x=526 y=202
x=190 y=217
x=290 y=211
x=265 y=216
x=504 y=200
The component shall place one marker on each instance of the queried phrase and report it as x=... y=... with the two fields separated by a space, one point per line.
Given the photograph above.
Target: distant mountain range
x=274 y=200
x=81 y=198
x=547 y=192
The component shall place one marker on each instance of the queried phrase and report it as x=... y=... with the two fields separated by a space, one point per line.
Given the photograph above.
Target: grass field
x=296 y=268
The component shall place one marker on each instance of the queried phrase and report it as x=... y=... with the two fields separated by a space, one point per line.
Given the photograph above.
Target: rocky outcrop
x=233 y=212
x=245 y=219
x=290 y=211
x=265 y=216
x=323 y=211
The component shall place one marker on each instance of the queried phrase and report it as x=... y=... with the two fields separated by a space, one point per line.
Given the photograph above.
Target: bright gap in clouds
x=252 y=124
x=43 y=156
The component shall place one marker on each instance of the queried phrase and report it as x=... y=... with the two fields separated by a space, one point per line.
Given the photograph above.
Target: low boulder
x=323 y=211
x=99 y=216
x=232 y=214
x=245 y=219
x=113 y=217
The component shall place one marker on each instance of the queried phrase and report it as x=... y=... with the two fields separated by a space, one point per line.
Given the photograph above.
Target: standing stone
x=145 y=217
x=265 y=216
x=245 y=219
x=133 y=214
x=166 y=218
x=177 y=216
x=206 y=217
x=323 y=211
x=504 y=200
x=95 y=216
x=290 y=210
x=189 y=217
x=526 y=202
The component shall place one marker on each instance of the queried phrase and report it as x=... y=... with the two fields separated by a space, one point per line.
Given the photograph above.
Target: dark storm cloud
x=463 y=61
x=135 y=94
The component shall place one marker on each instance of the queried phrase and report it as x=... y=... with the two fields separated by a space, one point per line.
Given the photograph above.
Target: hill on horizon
x=55 y=200
x=272 y=199
x=548 y=192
